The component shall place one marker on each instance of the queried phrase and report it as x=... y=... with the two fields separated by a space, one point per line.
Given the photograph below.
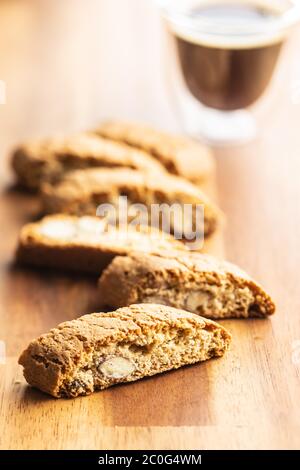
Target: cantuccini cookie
x=198 y=283
x=47 y=160
x=82 y=191
x=85 y=243
x=99 y=350
x=180 y=155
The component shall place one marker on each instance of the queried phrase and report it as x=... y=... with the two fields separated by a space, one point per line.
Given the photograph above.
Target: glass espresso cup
x=221 y=58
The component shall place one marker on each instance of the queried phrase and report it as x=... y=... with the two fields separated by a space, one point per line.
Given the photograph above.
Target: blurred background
x=67 y=64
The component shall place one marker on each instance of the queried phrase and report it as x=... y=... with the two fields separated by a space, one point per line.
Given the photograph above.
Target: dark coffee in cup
x=225 y=75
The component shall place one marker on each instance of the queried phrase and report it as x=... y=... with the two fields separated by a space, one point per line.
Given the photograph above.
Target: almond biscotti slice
x=85 y=243
x=198 y=283
x=47 y=160
x=179 y=155
x=82 y=191
x=99 y=350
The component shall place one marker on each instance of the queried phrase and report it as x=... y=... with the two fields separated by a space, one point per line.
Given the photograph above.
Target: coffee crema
x=228 y=76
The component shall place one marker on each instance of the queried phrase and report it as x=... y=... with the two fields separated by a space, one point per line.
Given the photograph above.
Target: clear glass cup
x=220 y=60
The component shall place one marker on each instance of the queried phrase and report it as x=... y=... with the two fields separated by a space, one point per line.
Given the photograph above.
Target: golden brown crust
x=84 y=243
x=81 y=191
x=55 y=361
x=198 y=283
x=180 y=155
x=47 y=160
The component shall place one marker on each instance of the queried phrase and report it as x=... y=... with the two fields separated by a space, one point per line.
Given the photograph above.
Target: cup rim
x=181 y=20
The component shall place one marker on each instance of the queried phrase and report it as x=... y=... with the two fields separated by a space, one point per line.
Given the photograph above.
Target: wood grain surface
x=67 y=64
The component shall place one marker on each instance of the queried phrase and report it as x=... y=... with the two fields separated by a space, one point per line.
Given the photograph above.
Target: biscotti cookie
x=47 y=160
x=180 y=155
x=99 y=350
x=82 y=191
x=85 y=243
x=198 y=283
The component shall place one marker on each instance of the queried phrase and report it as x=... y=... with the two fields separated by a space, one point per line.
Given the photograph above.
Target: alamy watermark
x=2 y=92
x=184 y=221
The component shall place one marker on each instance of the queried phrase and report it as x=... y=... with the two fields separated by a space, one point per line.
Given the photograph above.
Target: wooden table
x=67 y=64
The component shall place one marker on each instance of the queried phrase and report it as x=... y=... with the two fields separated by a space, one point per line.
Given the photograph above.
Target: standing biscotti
x=198 y=283
x=99 y=350
x=179 y=155
x=85 y=243
x=82 y=191
x=47 y=160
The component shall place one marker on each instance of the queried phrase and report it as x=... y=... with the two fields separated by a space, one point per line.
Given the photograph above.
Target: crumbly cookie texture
x=99 y=350
x=198 y=283
x=85 y=243
x=82 y=191
x=47 y=160
x=179 y=155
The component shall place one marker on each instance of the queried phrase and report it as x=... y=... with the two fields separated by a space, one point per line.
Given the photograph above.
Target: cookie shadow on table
x=22 y=204
x=31 y=396
x=48 y=273
x=169 y=399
